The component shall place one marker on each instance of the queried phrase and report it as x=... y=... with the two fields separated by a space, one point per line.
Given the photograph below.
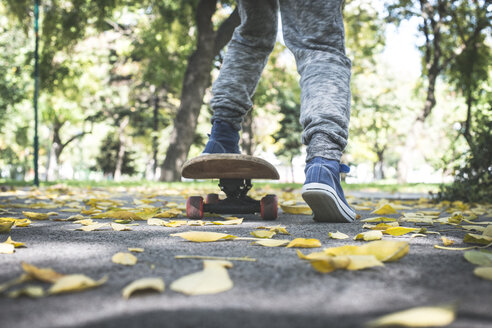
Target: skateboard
x=235 y=173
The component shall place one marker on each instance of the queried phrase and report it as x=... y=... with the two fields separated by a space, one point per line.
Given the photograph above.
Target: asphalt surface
x=278 y=290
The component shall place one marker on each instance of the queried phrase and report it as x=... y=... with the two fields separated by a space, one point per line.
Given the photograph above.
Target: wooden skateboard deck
x=228 y=166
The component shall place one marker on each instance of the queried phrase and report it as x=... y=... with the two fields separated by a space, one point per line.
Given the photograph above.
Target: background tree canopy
x=124 y=90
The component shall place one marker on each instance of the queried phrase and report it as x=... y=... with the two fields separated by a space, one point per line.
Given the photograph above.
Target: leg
x=313 y=30
x=246 y=56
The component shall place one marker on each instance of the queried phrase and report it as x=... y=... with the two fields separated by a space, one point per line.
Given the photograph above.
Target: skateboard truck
x=236 y=202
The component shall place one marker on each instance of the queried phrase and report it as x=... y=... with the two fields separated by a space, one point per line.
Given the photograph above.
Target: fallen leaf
x=6 y=248
x=35 y=215
x=432 y=316
x=15 y=243
x=480 y=258
x=477 y=239
x=203 y=236
x=305 y=243
x=483 y=272
x=337 y=235
x=216 y=258
x=398 y=231
x=213 y=279
x=84 y=222
x=359 y=262
x=271 y=242
x=156 y=222
x=75 y=283
x=175 y=223
x=124 y=258
x=5 y=226
x=93 y=227
x=144 y=284
x=278 y=229
x=473 y=228
x=120 y=227
x=329 y=264
x=117 y=214
x=383 y=250
x=29 y=291
x=296 y=209
x=384 y=210
x=41 y=274
x=228 y=222
x=172 y=213
x=488 y=231
x=263 y=234
x=369 y=235
x=135 y=249
x=446 y=241
x=378 y=219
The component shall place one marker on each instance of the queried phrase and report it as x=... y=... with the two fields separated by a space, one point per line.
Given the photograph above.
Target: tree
x=440 y=23
x=209 y=42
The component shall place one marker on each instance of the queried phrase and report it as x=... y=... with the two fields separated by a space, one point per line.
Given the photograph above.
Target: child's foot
x=323 y=193
x=223 y=139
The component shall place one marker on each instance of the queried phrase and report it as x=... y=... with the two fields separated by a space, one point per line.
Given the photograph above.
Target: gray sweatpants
x=313 y=30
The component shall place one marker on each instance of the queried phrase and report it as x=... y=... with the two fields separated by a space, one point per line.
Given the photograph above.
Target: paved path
x=278 y=290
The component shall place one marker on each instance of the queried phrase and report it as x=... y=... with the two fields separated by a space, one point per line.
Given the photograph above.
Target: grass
x=391 y=187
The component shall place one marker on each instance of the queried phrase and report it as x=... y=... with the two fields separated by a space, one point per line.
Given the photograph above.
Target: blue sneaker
x=223 y=139
x=324 y=194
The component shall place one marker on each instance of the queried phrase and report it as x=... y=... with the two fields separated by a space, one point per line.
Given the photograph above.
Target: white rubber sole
x=326 y=205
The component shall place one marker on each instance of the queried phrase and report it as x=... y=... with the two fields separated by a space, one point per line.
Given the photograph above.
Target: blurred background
x=124 y=90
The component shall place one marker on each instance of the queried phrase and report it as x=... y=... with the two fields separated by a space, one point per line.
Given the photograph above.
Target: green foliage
x=288 y=137
x=106 y=161
x=473 y=178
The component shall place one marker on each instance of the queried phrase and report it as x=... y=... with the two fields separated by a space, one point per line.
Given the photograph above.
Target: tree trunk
x=122 y=148
x=155 y=129
x=54 y=153
x=196 y=80
x=247 y=144
x=379 y=166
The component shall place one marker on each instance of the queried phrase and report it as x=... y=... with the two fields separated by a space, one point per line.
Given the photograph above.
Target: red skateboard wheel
x=269 y=207
x=194 y=207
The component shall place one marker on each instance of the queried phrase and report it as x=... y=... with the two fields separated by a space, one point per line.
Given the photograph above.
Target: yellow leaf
x=84 y=222
x=271 y=242
x=398 y=231
x=432 y=316
x=30 y=291
x=135 y=249
x=369 y=235
x=74 y=283
x=488 y=231
x=5 y=226
x=359 y=262
x=384 y=210
x=278 y=229
x=6 y=248
x=213 y=279
x=124 y=258
x=337 y=235
x=473 y=228
x=156 y=222
x=120 y=227
x=175 y=223
x=147 y=213
x=93 y=227
x=144 y=284
x=305 y=243
x=196 y=223
x=380 y=226
x=446 y=241
x=296 y=209
x=330 y=263
x=378 y=219
x=228 y=222
x=15 y=243
x=172 y=213
x=361 y=208
x=383 y=250
x=52 y=213
x=477 y=239
x=41 y=274
x=263 y=234
x=483 y=272
x=22 y=222
x=35 y=216
x=203 y=236
x=117 y=214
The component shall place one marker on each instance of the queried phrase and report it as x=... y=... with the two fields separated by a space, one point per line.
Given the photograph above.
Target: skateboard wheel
x=194 y=207
x=212 y=199
x=269 y=207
